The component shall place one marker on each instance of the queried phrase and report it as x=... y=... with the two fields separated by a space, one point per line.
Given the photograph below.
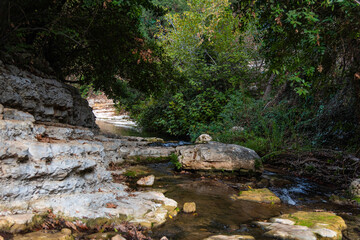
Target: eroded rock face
x=45 y=98
x=215 y=155
x=64 y=168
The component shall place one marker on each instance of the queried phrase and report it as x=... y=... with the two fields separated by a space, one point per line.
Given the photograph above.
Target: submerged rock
x=215 y=155
x=262 y=195
x=305 y=226
x=189 y=207
x=230 y=237
x=146 y=181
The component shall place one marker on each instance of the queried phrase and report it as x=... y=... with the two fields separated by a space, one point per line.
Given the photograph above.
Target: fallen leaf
x=111 y=205
x=70 y=225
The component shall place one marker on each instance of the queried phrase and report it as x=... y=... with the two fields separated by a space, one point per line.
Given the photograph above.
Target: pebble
x=146 y=181
x=189 y=207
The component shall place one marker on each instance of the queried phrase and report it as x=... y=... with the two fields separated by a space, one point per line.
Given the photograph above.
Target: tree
x=98 y=41
x=205 y=42
x=307 y=42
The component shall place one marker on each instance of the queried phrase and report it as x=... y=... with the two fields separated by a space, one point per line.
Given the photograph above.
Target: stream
x=217 y=213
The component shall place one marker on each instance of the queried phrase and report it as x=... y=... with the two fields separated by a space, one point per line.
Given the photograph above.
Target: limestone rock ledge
x=45 y=98
x=64 y=168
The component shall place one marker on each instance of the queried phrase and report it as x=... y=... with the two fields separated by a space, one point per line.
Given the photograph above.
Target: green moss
x=37 y=220
x=262 y=195
x=357 y=199
x=310 y=219
x=146 y=160
x=310 y=168
x=136 y=171
x=98 y=222
x=258 y=164
x=174 y=159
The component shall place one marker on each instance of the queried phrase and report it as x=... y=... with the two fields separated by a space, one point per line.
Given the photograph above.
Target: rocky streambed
x=62 y=181
x=79 y=177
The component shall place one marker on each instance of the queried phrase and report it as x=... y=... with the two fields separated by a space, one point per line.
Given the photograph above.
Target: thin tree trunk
x=269 y=86
x=278 y=96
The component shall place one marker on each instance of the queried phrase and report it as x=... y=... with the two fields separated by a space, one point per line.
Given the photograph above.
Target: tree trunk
x=269 y=86
x=278 y=96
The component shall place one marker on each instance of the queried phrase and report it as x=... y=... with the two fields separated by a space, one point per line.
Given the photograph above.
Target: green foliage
x=131 y=174
x=99 y=42
x=303 y=41
x=182 y=113
x=174 y=159
x=203 y=43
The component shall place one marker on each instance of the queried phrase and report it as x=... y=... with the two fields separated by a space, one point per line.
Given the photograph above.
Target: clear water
x=218 y=213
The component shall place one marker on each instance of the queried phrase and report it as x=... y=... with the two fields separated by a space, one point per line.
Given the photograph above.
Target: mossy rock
x=97 y=223
x=261 y=195
x=154 y=140
x=318 y=220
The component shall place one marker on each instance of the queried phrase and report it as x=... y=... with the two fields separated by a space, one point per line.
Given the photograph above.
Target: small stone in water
x=146 y=181
x=189 y=207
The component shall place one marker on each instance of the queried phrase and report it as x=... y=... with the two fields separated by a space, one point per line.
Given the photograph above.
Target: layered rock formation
x=64 y=168
x=45 y=98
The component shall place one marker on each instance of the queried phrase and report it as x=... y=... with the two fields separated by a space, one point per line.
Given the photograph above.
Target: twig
x=210 y=57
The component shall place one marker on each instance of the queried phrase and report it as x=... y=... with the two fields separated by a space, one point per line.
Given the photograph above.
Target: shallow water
x=217 y=213
x=126 y=128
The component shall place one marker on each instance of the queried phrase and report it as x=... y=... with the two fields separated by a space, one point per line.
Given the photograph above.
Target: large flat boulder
x=215 y=155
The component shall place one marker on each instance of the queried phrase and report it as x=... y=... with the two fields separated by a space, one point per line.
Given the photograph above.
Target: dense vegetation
x=286 y=74
x=269 y=75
